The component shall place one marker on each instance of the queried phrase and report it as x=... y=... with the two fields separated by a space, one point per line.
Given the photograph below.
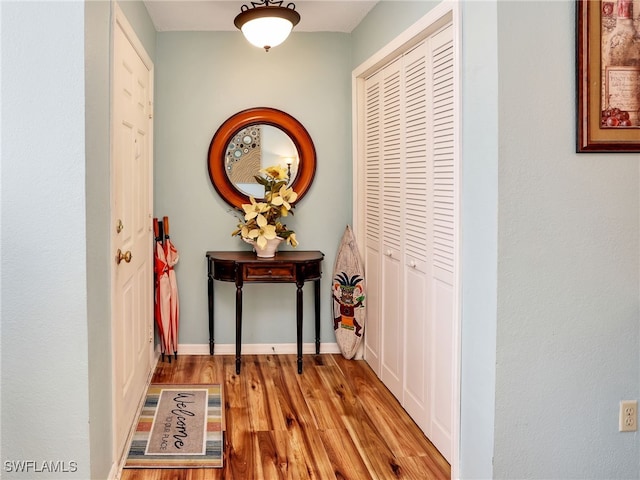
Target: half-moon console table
x=286 y=267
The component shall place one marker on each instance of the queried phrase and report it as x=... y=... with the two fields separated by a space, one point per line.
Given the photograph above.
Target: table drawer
x=273 y=272
x=225 y=271
x=311 y=271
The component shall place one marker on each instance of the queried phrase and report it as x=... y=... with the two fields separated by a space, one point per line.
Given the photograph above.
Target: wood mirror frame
x=260 y=116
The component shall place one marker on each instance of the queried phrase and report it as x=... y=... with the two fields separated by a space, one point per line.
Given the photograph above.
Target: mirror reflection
x=254 y=148
x=254 y=139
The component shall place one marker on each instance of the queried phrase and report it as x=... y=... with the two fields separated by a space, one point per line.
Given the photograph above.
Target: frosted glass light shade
x=267 y=32
x=267 y=26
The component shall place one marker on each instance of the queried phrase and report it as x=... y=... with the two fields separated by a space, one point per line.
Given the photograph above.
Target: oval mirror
x=252 y=140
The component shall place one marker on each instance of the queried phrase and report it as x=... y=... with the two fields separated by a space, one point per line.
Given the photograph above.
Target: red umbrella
x=162 y=310
x=172 y=257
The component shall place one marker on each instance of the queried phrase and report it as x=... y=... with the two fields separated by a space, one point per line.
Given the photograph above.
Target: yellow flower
x=276 y=172
x=291 y=240
x=261 y=219
x=261 y=235
x=242 y=230
x=283 y=199
x=254 y=209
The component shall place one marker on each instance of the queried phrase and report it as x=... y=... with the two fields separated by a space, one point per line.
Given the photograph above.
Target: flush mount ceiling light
x=267 y=23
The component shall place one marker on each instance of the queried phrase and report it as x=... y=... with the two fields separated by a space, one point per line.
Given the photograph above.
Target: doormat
x=180 y=426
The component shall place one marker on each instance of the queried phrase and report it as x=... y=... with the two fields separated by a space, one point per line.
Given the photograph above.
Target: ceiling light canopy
x=267 y=23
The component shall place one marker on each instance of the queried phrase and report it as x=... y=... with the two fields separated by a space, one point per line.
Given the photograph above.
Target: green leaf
x=261 y=181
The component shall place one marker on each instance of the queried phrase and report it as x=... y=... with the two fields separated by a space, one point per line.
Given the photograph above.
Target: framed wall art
x=608 y=75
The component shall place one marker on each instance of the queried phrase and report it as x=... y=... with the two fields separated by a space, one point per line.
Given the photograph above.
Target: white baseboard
x=255 y=348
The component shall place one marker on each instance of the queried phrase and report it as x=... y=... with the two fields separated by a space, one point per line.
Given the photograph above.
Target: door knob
x=126 y=256
x=119 y=226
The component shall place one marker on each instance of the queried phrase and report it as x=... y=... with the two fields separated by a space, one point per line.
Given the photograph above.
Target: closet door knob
x=412 y=264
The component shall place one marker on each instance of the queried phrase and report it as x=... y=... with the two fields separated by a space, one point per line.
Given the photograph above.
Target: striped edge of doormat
x=177 y=421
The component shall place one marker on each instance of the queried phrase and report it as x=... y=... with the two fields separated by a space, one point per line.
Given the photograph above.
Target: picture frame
x=608 y=82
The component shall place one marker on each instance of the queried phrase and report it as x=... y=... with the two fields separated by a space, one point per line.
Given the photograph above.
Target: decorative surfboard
x=348 y=293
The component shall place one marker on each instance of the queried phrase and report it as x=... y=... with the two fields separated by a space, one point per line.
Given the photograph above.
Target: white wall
x=202 y=79
x=45 y=405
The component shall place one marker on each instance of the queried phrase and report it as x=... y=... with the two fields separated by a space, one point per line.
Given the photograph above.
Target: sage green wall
x=568 y=337
x=383 y=23
x=97 y=97
x=480 y=153
x=550 y=238
x=202 y=78
x=97 y=47
x=479 y=208
x=139 y=19
x=563 y=228
x=45 y=402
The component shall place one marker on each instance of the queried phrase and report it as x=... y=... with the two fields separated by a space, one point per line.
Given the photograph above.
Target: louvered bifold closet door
x=442 y=215
x=410 y=196
x=373 y=219
x=392 y=202
x=417 y=235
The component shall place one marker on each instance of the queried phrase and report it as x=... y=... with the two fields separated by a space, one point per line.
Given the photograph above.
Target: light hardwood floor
x=335 y=421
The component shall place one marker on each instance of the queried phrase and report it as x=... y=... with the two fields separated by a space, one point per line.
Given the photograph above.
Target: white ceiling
x=218 y=15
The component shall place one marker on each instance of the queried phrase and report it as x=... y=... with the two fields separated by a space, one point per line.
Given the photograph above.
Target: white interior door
x=442 y=251
x=372 y=184
x=417 y=236
x=392 y=146
x=132 y=269
x=409 y=170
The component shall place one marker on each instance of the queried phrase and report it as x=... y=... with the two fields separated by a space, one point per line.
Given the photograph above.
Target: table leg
x=299 y=306
x=238 y=324
x=317 y=295
x=211 y=306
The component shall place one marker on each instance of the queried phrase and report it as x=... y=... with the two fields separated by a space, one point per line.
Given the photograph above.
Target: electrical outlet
x=628 y=416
